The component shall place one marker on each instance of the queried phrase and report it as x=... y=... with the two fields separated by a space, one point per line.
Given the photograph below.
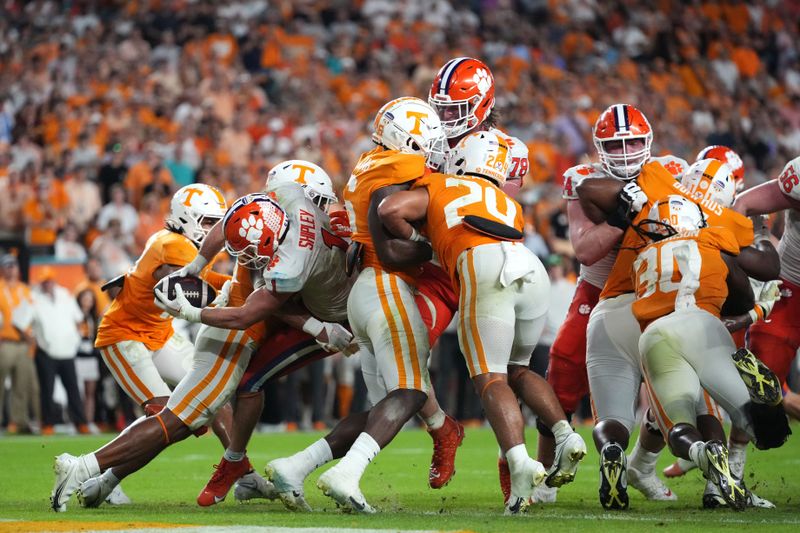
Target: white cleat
x=70 y=473
x=344 y=491
x=650 y=485
x=252 y=486
x=117 y=497
x=569 y=453
x=94 y=491
x=755 y=501
x=523 y=482
x=288 y=485
x=544 y=494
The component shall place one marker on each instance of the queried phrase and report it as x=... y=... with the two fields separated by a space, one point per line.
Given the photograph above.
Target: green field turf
x=396 y=483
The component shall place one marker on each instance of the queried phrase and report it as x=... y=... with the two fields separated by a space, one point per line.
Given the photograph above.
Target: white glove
x=769 y=294
x=633 y=197
x=338 y=338
x=192 y=269
x=179 y=306
x=223 y=295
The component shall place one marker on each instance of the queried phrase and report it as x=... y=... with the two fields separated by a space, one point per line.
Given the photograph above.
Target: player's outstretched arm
x=764 y=199
x=760 y=261
x=260 y=305
x=391 y=211
x=740 y=293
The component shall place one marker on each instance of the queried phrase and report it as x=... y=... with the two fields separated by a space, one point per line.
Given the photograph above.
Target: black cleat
x=714 y=464
x=613 y=477
x=762 y=383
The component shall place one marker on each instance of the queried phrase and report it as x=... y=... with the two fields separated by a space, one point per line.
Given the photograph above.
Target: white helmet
x=483 y=154
x=410 y=126
x=316 y=183
x=677 y=212
x=192 y=205
x=711 y=179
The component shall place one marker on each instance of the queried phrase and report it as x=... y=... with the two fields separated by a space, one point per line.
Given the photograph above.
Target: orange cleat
x=48 y=430
x=446 y=441
x=505 y=478
x=225 y=475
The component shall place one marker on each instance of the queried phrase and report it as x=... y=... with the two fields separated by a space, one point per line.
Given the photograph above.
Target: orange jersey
x=658 y=183
x=133 y=316
x=376 y=169
x=451 y=198
x=656 y=274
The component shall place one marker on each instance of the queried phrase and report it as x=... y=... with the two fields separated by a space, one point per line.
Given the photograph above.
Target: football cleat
x=714 y=465
x=569 y=452
x=531 y=475
x=754 y=501
x=94 y=491
x=505 y=478
x=288 y=485
x=70 y=472
x=762 y=383
x=344 y=491
x=252 y=486
x=650 y=485
x=226 y=473
x=613 y=477
x=544 y=494
x=679 y=468
x=117 y=497
x=446 y=441
x=712 y=499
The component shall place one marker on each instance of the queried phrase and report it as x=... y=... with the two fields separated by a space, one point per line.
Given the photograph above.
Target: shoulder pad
x=675 y=165
x=789 y=180
x=574 y=175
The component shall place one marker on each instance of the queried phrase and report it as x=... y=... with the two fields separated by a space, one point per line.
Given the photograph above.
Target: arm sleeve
x=216 y=279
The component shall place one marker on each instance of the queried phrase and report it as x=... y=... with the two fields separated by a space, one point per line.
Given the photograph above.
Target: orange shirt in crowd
x=10 y=297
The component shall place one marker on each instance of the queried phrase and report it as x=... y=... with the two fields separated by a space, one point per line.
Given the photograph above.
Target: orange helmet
x=614 y=129
x=462 y=94
x=254 y=226
x=726 y=155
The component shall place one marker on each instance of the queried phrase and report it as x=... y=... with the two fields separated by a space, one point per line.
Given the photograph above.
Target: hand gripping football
x=197 y=291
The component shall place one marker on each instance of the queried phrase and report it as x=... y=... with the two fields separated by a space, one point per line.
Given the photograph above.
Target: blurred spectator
x=87 y=363
x=56 y=318
x=112 y=172
x=151 y=219
x=93 y=282
x=148 y=175
x=118 y=208
x=67 y=246
x=84 y=199
x=16 y=349
x=114 y=249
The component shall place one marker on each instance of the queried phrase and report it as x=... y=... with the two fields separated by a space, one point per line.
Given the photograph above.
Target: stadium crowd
x=106 y=110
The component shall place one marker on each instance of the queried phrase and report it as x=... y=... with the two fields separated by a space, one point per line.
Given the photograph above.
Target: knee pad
x=770 y=425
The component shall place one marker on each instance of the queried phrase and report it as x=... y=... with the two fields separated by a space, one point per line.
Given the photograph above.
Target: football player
x=595 y=246
x=623 y=137
x=252 y=230
x=685 y=347
x=502 y=300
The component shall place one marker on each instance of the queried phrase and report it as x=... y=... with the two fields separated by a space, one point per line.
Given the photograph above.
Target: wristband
x=313 y=327
x=197 y=264
x=415 y=236
x=618 y=220
x=756 y=313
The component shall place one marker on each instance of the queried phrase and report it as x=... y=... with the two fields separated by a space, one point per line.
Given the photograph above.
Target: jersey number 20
x=477 y=194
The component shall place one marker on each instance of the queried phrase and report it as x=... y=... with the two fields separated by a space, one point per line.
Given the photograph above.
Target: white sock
x=232 y=456
x=517 y=456
x=91 y=464
x=312 y=457
x=500 y=454
x=642 y=460
x=737 y=456
x=362 y=453
x=436 y=420
x=110 y=478
x=695 y=451
x=561 y=430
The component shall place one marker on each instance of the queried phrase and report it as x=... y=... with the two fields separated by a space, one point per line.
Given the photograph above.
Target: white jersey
x=596 y=274
x=520 y=165
x=789 y=247
x=310 y=260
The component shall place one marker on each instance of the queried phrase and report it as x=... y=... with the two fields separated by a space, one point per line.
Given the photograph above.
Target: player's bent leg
x=131 y=364
x=447 y=434
x=642 y=463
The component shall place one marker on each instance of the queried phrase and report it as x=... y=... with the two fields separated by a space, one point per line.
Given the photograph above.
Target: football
x=199 y=292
